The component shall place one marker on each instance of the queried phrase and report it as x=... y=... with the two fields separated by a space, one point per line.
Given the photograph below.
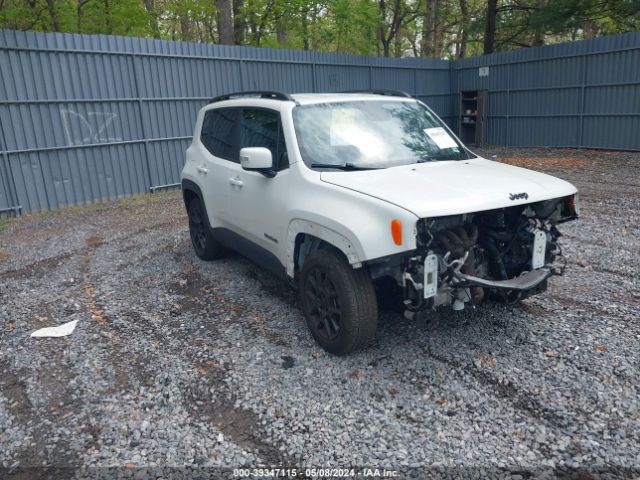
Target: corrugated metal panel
x=333 y=78
x=602 y=131
x=541 y=131
x=579 y=94
x=53 y=179
x=167 y=161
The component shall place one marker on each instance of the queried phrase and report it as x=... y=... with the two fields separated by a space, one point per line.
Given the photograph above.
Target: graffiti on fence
x=94 y=127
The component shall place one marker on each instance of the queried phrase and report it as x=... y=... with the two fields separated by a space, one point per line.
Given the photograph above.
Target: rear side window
x=218 y=133
x=262 y=128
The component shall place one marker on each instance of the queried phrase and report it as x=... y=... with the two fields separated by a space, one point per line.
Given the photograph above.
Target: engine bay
x=505 y=254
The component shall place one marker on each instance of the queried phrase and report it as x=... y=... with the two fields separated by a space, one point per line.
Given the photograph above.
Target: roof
x=268 y=96
x=315 y=98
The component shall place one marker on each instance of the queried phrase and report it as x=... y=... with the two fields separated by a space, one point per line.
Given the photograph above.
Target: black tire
x=339 y=302
x=205 y=246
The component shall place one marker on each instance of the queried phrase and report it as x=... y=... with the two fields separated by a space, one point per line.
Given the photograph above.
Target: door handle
x=202 y=170
x=236 y=182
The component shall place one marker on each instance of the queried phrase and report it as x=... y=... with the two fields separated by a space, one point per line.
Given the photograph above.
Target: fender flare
x=193 y=186
x=332 y=237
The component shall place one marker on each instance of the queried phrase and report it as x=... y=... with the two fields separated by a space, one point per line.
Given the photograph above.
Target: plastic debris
x=59 y=331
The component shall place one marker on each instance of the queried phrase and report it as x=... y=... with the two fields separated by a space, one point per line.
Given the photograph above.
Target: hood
x=435 y=189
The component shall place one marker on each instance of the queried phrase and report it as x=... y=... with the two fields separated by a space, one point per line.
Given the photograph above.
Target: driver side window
x=262 y=128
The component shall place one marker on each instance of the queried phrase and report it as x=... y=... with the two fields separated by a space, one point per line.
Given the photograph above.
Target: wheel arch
x=306 y=237
x=191 y=190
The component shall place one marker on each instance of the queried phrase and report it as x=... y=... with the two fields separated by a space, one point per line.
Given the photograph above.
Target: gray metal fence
x=579 y=94
x=87 y=118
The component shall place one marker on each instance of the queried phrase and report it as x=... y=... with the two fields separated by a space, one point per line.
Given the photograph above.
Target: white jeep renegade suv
x=357 y=197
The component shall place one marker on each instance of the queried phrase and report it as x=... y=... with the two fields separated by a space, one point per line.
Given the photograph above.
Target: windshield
x=372 y=134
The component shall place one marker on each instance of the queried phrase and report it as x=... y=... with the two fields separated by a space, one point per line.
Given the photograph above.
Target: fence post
x=315 y=77
x=241 y=70
x=453 y=95
x=582 y=100
x=12 y=190
x=508 y=119
x=143 y=130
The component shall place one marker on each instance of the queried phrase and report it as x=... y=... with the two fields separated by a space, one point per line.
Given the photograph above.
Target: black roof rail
x=389 y=93
x=257 y=93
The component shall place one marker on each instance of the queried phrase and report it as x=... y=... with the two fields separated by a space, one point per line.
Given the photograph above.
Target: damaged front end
x=506 y=254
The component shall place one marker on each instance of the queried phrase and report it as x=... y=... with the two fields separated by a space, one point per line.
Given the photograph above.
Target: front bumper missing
x=526 y=281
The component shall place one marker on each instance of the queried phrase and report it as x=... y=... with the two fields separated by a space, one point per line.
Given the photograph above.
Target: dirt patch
x=36 y=269
x=550 y=163
x=14 y=389
x=94 y=241
x=239 y=424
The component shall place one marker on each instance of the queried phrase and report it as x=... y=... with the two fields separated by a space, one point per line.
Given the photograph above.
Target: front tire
x=205 y=246
x=339 y=302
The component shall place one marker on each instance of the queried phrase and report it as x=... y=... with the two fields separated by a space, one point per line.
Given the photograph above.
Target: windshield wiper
x=341 y=166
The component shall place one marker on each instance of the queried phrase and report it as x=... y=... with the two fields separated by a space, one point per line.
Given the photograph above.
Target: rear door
x=219 y=136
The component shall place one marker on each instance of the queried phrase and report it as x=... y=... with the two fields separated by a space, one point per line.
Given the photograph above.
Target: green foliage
x=369 y=27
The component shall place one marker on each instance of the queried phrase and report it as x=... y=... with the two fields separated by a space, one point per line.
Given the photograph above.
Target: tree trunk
x=239 y=22
x=429 y=29
x=490 y=26
x=225 y=22
x=150 y=7
x=397 y=46
x=539 y=31
x=305 y=31
x=80 y=13
x=590 y=29
x=185 y=27
x=438 y=40
x=380 y=29
x=281 y=30
x=107 y=17
x=53 y=13
x=464 y=35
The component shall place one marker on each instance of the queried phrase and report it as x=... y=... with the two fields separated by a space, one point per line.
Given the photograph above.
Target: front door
x=260 y=199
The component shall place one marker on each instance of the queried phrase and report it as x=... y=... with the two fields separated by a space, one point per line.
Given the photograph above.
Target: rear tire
x=339 y=302
x=205 y=246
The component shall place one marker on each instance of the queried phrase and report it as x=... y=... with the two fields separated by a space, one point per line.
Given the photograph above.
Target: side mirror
x=257 y=159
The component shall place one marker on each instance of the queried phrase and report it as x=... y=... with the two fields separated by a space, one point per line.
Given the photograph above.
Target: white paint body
x=352 y=210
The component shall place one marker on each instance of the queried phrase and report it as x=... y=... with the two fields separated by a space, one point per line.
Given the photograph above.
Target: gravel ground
x=181 y=367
